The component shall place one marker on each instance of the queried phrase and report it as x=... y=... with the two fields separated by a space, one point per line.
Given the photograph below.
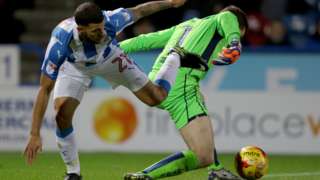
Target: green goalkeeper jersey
x=205 y=37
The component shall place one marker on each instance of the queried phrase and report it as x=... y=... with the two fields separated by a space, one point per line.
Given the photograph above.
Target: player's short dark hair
x=241 y=15
x=87 y=13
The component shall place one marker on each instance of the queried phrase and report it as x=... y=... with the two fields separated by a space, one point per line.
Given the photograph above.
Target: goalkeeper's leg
x=198 y=136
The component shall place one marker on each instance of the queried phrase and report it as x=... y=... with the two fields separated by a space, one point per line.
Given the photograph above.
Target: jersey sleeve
x=228 y=26
x=55 y=55
x=119 y=18
x=147 y=42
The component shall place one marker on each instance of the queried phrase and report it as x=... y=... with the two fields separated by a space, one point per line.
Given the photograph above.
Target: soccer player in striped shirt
x=80 y=48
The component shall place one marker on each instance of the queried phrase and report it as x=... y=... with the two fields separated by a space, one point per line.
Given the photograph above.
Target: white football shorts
x=118 y=70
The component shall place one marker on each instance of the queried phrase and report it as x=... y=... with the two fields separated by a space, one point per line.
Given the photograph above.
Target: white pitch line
x=293 y=174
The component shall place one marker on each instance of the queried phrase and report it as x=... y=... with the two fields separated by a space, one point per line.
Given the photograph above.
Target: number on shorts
x=122 y=61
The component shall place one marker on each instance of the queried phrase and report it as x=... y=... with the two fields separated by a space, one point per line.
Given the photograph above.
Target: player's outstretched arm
x=149 y=8
x=34 y=145
x=146 y=42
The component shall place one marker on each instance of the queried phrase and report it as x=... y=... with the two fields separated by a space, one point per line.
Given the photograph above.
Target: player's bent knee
x=65 y=108
x=62 y=119
x=63 y=116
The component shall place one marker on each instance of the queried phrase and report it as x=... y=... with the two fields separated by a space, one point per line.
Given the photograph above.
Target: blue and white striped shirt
x=65 y=44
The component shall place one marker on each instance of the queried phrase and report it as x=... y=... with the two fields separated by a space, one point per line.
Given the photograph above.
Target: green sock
x=215 y=167
x=173 y=165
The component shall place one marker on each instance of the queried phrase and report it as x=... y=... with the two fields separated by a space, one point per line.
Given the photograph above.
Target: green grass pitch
x=112 y=166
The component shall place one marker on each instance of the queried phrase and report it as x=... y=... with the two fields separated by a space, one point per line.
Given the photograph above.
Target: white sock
x=167 y=74
x=68 y=150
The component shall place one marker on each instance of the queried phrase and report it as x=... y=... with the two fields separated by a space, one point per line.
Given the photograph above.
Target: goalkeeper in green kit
x=213 y=40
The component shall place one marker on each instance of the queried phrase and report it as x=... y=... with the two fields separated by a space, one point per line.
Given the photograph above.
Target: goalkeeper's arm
x=229 y=28
x=147 y=42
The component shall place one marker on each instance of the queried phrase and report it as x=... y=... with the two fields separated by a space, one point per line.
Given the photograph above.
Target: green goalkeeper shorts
x=185 y=102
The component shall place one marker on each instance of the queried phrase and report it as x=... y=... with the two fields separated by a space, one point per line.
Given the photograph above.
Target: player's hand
x=229 y=55
x=176 y=3
x=33 y=148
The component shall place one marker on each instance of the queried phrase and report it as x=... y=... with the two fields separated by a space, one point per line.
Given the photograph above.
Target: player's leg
x=199 y=137
x=65 y=136
x=198 y=134
x=188 y=111
x=123 y=71
x=168 y=71
x=180 y=102
x=67 y=95
x=153 y=93
x=176 y=58
x=174 y=55
x=172 y=165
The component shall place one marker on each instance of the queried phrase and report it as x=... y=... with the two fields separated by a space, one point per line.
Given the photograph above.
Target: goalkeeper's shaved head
x=87 y=13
